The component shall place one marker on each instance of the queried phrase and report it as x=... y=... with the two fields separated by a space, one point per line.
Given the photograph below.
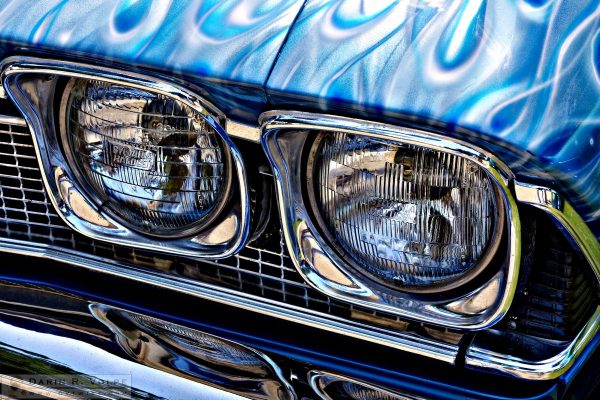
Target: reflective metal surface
x=536 y=369
x=243 y=131
x=54 y=330
x=194 y=354
x=77 y=342
x=524 y=73
x=284 y=136
x=336 y=387
x=413 y=342
x=551 y=202
x=31 y=84
x=260 y=278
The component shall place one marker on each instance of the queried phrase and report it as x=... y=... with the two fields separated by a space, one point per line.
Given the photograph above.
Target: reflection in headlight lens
x=410 y=217
x=153 y=162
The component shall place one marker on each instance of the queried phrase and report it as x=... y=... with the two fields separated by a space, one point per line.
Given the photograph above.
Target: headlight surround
x=473 y=298
x=409 y=217
x=214 y=229
x=154 y=163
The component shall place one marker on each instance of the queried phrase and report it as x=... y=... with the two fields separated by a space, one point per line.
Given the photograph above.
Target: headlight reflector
x=153 y=162
x=409 y=217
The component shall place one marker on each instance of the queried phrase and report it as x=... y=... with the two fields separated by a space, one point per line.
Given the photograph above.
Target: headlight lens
x=152 y=162
x=409 y=217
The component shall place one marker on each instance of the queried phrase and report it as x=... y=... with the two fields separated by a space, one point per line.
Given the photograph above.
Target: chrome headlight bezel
x=31 y=83
x=284 y=139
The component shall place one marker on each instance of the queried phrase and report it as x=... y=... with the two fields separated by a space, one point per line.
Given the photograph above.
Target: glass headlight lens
x=152 y=162
x=409 y=217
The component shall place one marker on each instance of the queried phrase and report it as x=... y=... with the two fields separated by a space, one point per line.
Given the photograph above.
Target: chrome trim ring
x=319 y=264
x=485 y=258
x=224 y=237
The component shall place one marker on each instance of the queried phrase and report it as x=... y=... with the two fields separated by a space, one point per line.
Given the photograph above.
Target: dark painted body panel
x=295 y=348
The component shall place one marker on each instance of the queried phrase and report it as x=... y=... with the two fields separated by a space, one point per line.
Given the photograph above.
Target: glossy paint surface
x=525 y=72
x=62 y=356
x=54 y=320
x=231 y=40
x=522 y=71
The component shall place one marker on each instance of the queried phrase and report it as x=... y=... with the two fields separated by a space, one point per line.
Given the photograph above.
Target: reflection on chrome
x=336 y=178
x=195 y=355
x=560 y=209
x=479 y=356
x=135 y=159
x=75 y=203
x=336 y=387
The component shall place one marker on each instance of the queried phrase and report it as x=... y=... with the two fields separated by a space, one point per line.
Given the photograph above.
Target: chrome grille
x=26 y=214
x=23 y=199
x=263 y=268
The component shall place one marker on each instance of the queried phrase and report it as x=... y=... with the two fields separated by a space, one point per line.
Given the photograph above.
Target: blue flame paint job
x=225 y=46
x=523 y=72
x=231 y=40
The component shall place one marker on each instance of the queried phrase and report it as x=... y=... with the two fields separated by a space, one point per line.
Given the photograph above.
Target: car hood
x=522 y=73
x=232 y=41
x=525 y=73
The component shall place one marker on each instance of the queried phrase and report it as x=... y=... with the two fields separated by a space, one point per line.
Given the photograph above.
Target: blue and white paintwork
x=523 y=72
x=230 y=40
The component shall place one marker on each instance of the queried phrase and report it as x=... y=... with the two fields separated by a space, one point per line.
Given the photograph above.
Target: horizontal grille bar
x=263 y=269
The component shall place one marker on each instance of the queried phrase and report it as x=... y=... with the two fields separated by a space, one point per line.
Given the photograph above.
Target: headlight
x=399 y=220
x=409 y=217
x=153 y=162
x=133 y=159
